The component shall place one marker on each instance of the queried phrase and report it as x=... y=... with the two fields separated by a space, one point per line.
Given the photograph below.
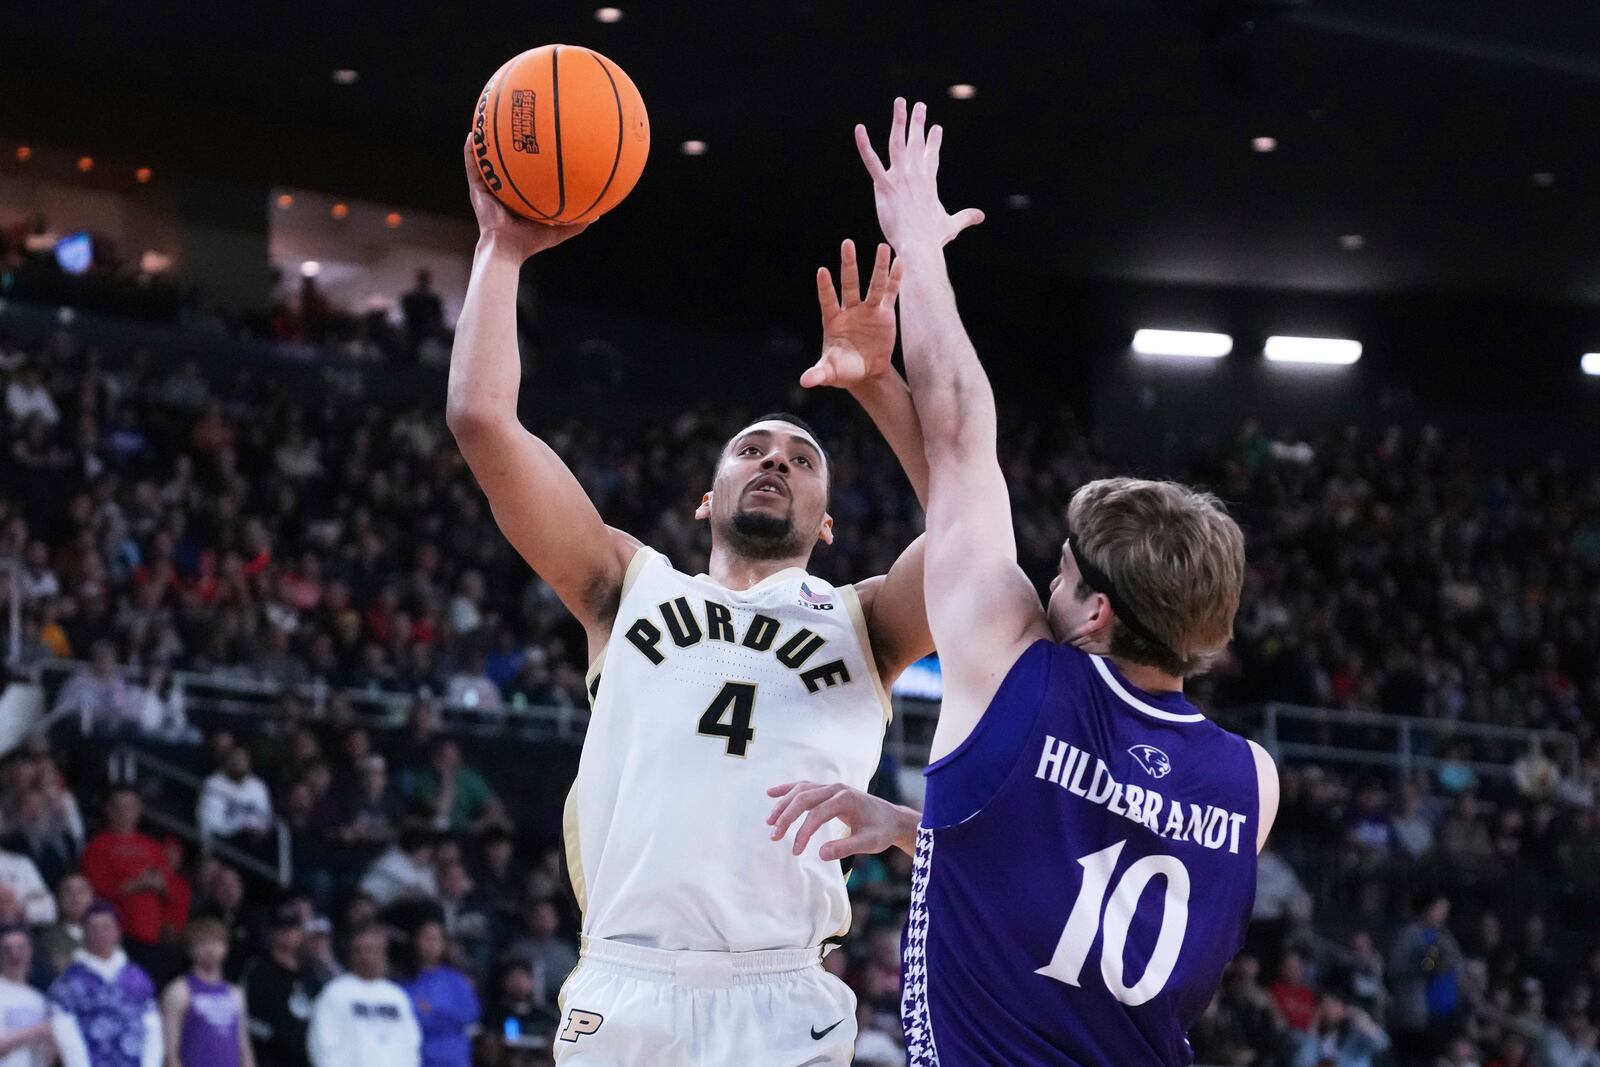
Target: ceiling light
x=86 y=163
x=24 y=153
x=1591 y=363
x=1019 y=201
x=1332 y=351
x=1264 y=144
x=1352 y=242
x=346 y=76
x=1182 y=343
x=962 y=91
x=143 y=175
x=285 y=201
x=310 y=269
x=693 y=148
x=1544 y=179
x=65 y=315
x=339 y=211
x=392 y=220
x=608 y=14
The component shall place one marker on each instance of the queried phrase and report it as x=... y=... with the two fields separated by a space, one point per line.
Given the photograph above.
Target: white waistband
x=699 y=968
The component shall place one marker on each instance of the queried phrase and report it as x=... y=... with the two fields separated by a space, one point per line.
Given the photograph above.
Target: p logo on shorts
x=580 y=1024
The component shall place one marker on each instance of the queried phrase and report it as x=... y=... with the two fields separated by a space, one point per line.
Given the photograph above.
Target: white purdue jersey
x=704 y=698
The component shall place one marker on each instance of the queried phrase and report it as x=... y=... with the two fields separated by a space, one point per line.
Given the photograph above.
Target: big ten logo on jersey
x=581 y=1024
x=714 y=622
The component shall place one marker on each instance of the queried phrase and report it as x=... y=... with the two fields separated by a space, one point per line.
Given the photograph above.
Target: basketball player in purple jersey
x=1086 y=855
x=203 y=1016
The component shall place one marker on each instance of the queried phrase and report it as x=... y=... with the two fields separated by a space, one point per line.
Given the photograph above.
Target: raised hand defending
x=857 y=333
x=907 y=191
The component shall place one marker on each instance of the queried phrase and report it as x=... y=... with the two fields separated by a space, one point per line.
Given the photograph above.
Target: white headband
x=792 y=429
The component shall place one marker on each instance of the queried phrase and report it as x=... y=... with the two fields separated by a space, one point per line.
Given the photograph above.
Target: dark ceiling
x=1127 y=124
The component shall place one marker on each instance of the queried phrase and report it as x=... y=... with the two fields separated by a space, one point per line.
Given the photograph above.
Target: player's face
x=1075 y=618
x=770 y=498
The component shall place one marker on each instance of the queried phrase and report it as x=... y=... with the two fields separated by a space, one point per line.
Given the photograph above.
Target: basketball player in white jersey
x=702 y=943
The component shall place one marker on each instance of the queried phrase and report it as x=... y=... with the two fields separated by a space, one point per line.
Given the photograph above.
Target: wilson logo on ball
x=480 y=142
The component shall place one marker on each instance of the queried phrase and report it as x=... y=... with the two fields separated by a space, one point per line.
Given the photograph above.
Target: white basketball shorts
x=624 y=1006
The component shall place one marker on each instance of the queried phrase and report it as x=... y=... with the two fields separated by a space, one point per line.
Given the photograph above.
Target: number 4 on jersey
x=736 y=701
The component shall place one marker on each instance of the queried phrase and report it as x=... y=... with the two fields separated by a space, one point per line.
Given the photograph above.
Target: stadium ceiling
x=1432 y=145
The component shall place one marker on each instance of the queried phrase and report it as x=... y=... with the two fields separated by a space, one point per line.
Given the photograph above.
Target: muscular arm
x=536 y=500
x=982 y=609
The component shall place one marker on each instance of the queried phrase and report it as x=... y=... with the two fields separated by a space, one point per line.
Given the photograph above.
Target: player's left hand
x=857 y=334
x=874 y=823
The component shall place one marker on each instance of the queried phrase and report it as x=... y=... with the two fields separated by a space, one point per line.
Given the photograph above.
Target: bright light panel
x=1331 y=351
x=1182 y=343
x=1591 y=364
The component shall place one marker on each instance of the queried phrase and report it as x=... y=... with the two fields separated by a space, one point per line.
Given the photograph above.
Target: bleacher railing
x=1405 y=744
x=126 y=765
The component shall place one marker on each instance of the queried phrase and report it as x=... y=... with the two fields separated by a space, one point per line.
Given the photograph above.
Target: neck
x=733 y=571
x=287 y=959
x=1150 y=679
x=14 y=973
x=208 y=974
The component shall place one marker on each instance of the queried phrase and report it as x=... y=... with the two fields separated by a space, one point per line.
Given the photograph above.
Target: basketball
x=560 y=134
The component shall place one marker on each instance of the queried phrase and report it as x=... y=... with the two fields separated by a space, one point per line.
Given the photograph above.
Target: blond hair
x=1175 y=558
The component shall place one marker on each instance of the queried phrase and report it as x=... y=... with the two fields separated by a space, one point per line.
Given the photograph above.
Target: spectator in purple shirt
x=446 y=1006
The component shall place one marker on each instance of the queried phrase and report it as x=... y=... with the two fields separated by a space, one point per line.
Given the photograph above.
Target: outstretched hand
x=857 y=334
x=907 y=191
x=874 y=823
x=495 y=218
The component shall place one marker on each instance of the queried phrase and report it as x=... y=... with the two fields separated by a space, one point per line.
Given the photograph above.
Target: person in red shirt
x=1296 y=1001
x=129 y=869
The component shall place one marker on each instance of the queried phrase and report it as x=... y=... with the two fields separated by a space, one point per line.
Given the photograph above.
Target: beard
x=758 y=535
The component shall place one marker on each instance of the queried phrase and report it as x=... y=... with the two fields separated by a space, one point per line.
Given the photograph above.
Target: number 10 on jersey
x=735 y=703
x=1072 y=951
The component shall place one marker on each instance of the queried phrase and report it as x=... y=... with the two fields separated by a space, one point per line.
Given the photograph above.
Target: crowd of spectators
x=161 y=521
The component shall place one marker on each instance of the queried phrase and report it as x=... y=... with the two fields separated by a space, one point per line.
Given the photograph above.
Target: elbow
x=468 y=422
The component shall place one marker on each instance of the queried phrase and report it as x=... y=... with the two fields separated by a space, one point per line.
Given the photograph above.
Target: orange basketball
x=560 y=134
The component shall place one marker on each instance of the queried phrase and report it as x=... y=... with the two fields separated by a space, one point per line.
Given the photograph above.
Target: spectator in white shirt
x=25 y=1037
x=26 y=397
x=107 y=704
x=362 y=1019
x=235 y=805
x=21 y=875
x=404 y=870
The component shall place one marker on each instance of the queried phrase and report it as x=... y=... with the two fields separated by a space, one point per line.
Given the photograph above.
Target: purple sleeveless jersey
x=1084 y=871
x=211 y=1026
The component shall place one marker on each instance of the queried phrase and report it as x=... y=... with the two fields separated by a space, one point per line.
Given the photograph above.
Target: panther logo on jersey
x=1155 y=762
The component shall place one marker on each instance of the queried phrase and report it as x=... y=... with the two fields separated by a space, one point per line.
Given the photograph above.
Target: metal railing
x=1403 y=743
x=124 y=767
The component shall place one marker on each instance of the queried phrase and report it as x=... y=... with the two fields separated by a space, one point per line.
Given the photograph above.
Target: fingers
x=916 y=140
x=849 y=274
x=799 y=802
x=868 y=156
x=822 y=372
x=966 y=217
x=787 y=793
x=897 y=274
x=878 y=289
x=820 y=816
x=828 y=301
x=897 y=131
x=854 y=845
x=930 y=155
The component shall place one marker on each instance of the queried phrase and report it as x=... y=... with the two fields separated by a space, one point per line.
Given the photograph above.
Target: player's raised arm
x=858 y=336
x=982 y=609
x=537 y=502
